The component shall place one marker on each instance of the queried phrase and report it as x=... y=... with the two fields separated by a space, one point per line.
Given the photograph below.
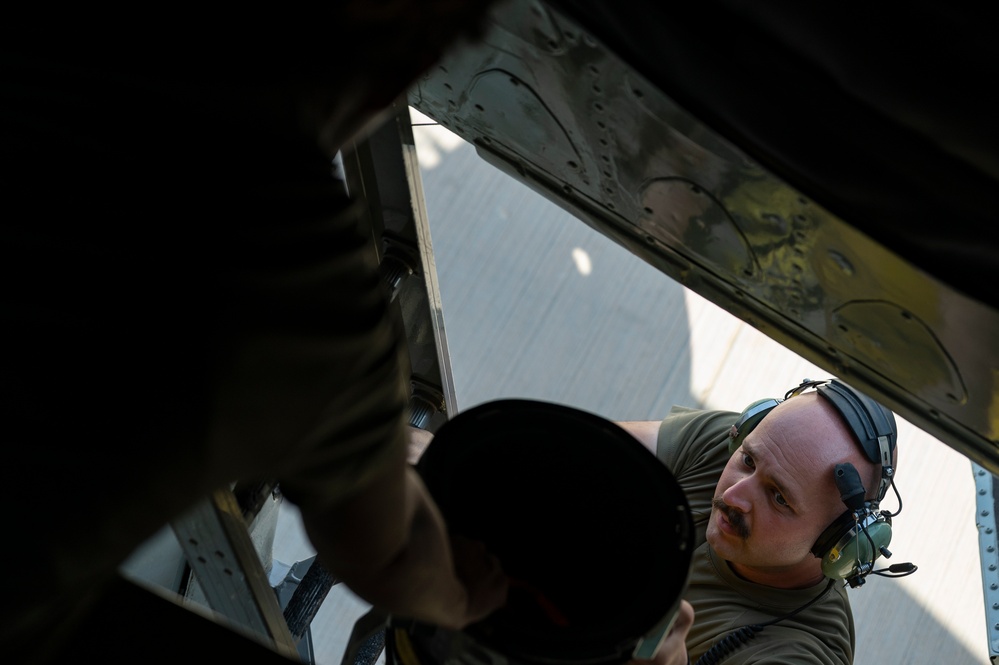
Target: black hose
x=729 y=644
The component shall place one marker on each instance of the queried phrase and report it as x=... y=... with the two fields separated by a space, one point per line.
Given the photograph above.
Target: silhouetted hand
x=483 y=577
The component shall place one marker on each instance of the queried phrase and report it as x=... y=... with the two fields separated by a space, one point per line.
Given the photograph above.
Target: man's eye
x=779 y=498
x=748 y=461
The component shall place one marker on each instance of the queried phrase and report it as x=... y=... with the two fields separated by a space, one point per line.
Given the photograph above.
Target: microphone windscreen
x=851 y=489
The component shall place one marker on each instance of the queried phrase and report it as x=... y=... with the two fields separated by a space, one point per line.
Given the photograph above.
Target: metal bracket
x=219 y=549
x=384 y=171
x=988 y=543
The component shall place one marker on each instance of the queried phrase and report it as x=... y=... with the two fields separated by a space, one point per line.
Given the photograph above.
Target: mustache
x=734 y=517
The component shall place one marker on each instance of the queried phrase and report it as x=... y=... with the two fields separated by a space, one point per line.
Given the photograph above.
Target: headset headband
x=873 y=426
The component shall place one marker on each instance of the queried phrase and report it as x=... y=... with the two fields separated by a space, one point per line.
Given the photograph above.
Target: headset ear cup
x=748 y=420
x=852 y=545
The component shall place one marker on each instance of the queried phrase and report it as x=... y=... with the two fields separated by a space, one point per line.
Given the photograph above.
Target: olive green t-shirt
x=693 y=444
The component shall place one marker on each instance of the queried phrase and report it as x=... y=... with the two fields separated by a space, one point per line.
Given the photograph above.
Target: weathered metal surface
x=544 y=101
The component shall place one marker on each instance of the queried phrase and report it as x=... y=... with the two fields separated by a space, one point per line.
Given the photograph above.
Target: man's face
x=777 y=493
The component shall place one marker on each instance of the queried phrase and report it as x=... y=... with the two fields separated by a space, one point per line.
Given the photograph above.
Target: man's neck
x=798 y=577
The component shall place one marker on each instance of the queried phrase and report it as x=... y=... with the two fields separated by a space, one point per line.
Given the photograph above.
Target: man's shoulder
x=686 y=434
x=698 y=423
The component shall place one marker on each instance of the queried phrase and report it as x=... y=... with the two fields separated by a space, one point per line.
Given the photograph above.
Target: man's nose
x=738 y=495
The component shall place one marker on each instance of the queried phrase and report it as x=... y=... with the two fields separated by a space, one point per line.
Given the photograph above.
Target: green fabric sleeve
x=693 y=444
x=685 y=432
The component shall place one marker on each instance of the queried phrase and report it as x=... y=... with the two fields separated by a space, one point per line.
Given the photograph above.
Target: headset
x=851 y=544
